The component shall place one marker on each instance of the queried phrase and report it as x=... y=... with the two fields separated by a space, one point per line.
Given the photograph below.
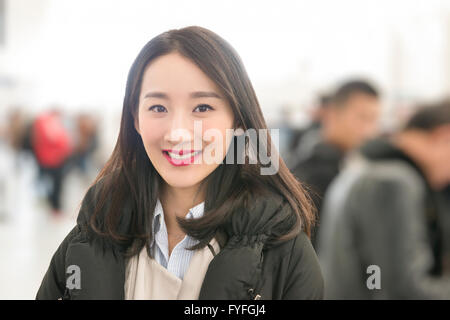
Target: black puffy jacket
x=243 y=269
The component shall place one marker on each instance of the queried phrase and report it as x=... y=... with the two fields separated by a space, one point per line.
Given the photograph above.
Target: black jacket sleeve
x=54 y=282
x=305 y=280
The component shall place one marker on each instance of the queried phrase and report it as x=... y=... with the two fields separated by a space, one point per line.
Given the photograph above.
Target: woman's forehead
x=176 y=73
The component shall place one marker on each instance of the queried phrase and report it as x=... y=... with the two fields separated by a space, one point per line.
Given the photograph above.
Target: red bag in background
x=51 y=140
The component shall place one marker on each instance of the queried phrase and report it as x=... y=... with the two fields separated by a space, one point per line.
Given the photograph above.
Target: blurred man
x=350 y=119
x=381 y=237
x=445 y=226
x=304 y=139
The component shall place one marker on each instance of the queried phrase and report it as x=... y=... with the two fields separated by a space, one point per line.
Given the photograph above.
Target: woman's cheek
x=216 y=143
x=151 y=136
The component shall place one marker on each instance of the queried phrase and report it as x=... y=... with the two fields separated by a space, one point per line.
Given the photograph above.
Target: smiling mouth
x=182 y=154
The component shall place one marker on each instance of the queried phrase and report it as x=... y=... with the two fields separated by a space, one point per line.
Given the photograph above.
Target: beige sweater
x=146 y=279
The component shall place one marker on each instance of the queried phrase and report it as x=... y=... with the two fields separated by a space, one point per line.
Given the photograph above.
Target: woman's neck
x=177 y=202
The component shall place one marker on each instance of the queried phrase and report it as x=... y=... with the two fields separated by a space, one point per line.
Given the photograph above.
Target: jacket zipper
x=66 y=295
x=252 y=294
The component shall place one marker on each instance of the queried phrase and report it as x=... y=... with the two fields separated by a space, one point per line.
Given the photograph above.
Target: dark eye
x=203 y=107
x=157 y=108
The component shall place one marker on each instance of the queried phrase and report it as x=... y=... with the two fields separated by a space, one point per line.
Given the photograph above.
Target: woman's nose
x=179 y=129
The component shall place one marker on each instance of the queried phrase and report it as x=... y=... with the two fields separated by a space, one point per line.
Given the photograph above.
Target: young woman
x=164 y=221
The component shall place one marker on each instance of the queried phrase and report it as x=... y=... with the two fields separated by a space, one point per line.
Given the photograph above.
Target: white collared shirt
x=179 y=259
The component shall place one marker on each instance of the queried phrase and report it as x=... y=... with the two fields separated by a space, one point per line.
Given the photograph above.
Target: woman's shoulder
x=297 y=248
x=301 y=248
x=259 y=213
x=301 y=266
x=304 y=268
x=265 y=217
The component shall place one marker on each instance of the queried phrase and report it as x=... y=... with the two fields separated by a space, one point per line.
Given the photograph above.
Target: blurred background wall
x=77 y=53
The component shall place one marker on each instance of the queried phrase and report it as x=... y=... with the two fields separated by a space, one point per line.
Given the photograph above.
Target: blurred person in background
x=16 y=129
x=304 y=139
x=445 y=227
x=17 y=134
x=445 y=219
x=4 y=168
x=52 y=146
x=349 y=119
x=86 y=142
x=384 y=212
x=286 y=130
x=14 y=150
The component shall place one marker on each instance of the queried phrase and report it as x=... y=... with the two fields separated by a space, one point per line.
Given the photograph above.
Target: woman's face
x=175 y=96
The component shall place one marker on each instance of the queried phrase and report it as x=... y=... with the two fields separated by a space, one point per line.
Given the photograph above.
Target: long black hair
x=130 y=179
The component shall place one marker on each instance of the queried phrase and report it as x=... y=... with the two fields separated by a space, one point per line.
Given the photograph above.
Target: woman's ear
x=441 y=133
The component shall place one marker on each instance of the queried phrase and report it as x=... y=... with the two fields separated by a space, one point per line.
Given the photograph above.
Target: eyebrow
x=196 y=94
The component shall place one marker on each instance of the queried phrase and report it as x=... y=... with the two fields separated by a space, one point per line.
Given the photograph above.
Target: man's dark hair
x=324 y=100
x=349 y=88
x=430 y=116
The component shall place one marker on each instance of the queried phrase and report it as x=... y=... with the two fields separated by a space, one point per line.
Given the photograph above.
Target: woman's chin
x=181 y=181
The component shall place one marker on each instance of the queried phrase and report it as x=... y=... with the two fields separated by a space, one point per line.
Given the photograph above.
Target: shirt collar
x=194 y=212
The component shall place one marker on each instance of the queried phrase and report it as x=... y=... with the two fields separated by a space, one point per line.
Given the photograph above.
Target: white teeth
x=184 y=156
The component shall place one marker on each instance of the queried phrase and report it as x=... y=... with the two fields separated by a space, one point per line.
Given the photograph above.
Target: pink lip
x=178 y=162
x=180 y=152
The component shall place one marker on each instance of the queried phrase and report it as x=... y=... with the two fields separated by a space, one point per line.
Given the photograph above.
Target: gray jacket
x=374 y=215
